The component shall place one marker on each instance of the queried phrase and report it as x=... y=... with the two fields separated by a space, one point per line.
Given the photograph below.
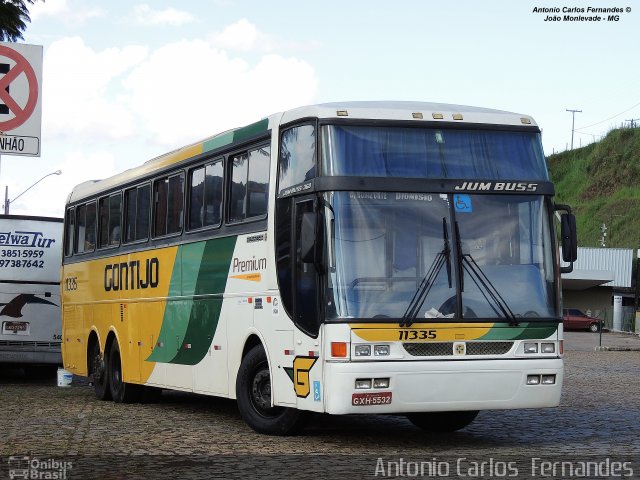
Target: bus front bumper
x=443 y=385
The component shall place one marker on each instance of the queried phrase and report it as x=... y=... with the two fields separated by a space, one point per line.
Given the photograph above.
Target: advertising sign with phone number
x=30 y=249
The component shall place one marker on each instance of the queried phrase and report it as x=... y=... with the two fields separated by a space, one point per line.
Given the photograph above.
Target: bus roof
x=405 y=110
x=370 y=110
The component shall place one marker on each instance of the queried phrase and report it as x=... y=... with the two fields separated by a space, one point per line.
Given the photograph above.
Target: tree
x=14 y=15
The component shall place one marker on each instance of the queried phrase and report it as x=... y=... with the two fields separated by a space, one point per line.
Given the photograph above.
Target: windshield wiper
x=424 y=288
x=486 y=287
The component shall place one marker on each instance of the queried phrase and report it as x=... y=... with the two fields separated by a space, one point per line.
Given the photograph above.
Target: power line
x=610 y=118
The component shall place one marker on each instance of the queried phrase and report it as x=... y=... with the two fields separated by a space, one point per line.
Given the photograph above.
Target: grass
x=602 y=183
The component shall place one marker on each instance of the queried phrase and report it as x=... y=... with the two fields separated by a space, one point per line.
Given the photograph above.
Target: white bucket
x=64 y=378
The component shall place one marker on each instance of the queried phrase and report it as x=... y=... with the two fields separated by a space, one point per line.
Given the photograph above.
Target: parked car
x=574 y=319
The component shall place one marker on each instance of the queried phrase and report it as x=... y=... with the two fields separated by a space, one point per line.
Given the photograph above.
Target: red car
x=574 y=319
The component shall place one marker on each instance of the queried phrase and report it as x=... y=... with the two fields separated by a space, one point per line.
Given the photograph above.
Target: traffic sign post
x=20 y=99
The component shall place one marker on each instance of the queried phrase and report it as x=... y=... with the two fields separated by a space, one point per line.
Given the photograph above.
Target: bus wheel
x=99 y=372
x=120 y=391
x=253 y=392
x=442 y=422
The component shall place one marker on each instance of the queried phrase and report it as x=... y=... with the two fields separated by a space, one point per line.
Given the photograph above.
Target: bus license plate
x=367 y=399
x=14 y=327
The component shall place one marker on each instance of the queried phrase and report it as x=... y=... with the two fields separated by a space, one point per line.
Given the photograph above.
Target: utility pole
x=632 y=122
x=573 y=122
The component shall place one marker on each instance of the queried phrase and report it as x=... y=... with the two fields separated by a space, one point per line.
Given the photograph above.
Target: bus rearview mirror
x=569 y=237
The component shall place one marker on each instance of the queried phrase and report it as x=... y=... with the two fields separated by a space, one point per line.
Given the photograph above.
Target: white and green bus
x=364 y=257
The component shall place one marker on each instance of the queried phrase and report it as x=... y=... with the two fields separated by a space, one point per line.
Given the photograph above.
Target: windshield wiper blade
x=446 y=249
x=468 y=263
x=487 y=287
x=424 y=288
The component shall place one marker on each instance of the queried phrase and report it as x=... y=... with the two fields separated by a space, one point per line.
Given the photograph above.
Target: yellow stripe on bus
x=421 y=332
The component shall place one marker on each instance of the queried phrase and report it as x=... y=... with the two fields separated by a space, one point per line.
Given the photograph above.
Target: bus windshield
x=383 y=248
x=432 y=153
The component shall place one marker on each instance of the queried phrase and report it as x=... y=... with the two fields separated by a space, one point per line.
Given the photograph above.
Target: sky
x=126 y=81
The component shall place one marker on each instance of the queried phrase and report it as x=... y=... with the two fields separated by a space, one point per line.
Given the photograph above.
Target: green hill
x=602 y=183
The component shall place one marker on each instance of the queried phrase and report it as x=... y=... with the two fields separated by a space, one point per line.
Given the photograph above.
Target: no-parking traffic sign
x=20 y=98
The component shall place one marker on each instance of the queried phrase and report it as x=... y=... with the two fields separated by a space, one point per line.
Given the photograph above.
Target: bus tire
x=253 y=393
x=442 y=422
x=121 y=392
x=99 y=373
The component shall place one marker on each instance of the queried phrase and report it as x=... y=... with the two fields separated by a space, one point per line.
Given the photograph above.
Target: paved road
x=588 y=342
x=191 y=436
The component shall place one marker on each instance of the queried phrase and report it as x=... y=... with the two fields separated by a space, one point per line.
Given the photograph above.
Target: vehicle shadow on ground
x=494 y=428
x=28 y=375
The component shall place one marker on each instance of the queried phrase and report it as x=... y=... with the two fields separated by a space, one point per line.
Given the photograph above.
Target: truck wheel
x=442 y=422
x=253 y=392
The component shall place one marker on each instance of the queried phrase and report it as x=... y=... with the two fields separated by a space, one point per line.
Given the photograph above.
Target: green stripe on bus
x=205 y=312
x=523 y=331
x=176 y=313
x=218 y=141
x=236 y=135
x=251 y=130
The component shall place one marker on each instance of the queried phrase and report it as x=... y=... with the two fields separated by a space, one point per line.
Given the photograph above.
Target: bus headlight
x=548 y=348
x=362 y=350
x=381 y=350
x=530 y=348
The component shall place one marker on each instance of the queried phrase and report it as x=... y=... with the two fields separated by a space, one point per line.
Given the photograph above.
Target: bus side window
x=160 y=188
x=196 y=199
x=85 y=233
x=168 y=196
x=214 y=186
x=68 y=236
x=109 y=224
x=103 y=208
x=249 y=184
x=205 y=194
x=238 y=194
x=175 y=203
x=115 y=206
x=130 y=205
x=258 y=182
x=81 y=213
x=297 y=156
x=143 y=209
x=136 y=213
x=90 y=231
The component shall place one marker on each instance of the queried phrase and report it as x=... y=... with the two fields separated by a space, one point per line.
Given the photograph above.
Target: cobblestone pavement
x=191 y=436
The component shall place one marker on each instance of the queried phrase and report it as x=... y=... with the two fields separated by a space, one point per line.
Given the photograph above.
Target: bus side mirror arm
x=569 y=237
